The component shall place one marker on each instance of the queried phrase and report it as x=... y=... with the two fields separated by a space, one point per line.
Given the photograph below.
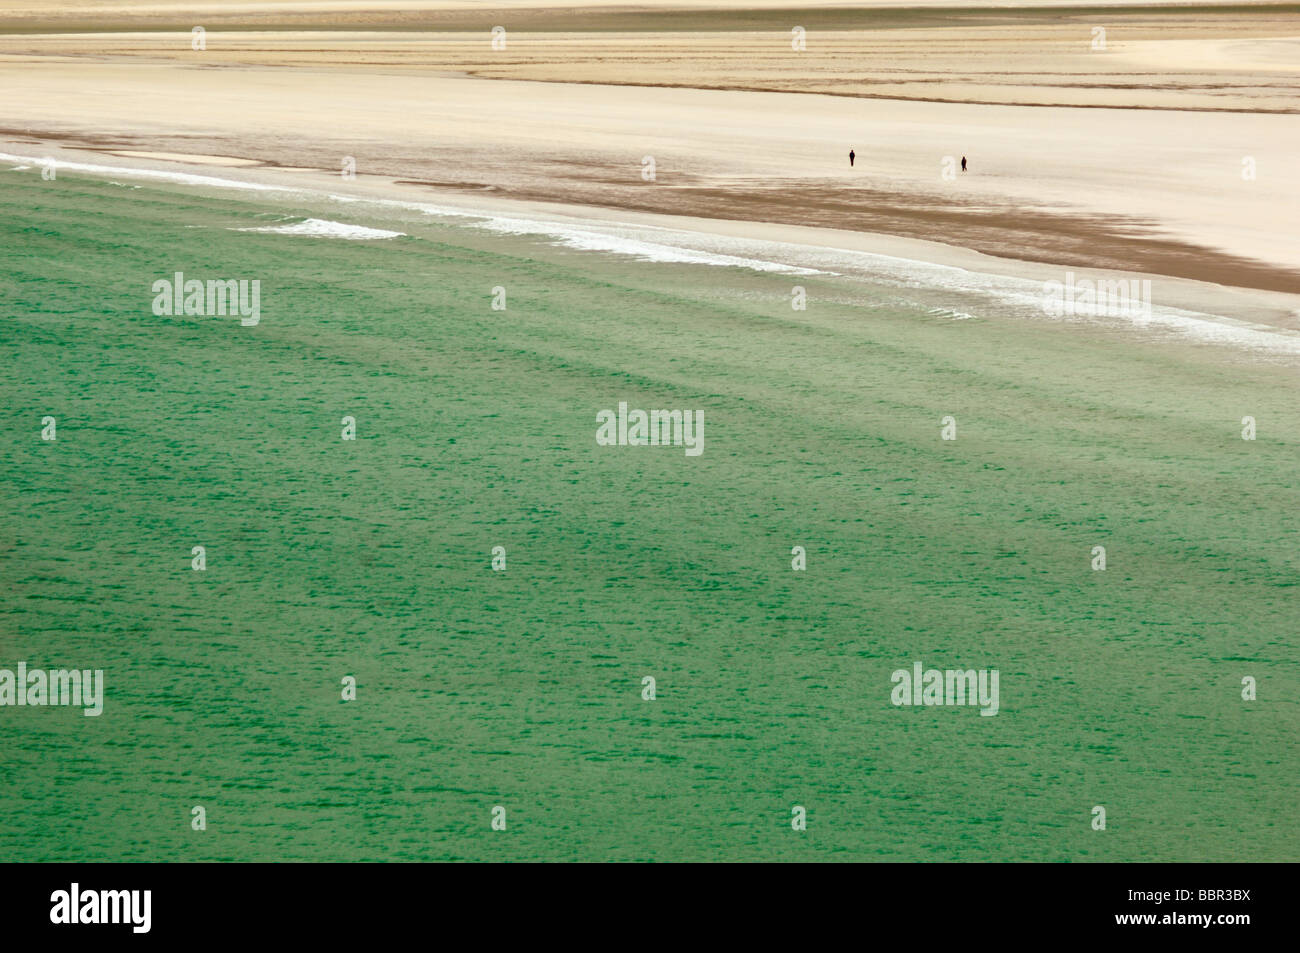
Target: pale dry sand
x=741 y=127
x=182 y=157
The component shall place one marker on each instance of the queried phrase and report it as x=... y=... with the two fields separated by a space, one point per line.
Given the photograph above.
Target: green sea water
x=476 y=428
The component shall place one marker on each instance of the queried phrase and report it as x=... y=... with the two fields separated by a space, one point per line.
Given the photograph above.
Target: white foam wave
x=159 y=175
x=323 y=228
x=625 y=241
x=1009 y=295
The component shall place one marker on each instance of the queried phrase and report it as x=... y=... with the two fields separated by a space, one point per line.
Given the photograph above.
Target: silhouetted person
x=851 y=159
x=963 y=163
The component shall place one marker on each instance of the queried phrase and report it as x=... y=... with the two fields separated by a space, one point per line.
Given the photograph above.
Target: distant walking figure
x=851 y=158
x=963 y=163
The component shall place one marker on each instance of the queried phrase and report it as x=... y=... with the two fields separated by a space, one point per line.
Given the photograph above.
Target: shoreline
x=794 y=246
x=1066 y=240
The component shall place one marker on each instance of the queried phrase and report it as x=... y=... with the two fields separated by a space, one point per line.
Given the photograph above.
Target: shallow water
x=475 y=428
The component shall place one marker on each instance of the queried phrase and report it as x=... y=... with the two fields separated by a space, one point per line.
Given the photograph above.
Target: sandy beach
x=1169 y=152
